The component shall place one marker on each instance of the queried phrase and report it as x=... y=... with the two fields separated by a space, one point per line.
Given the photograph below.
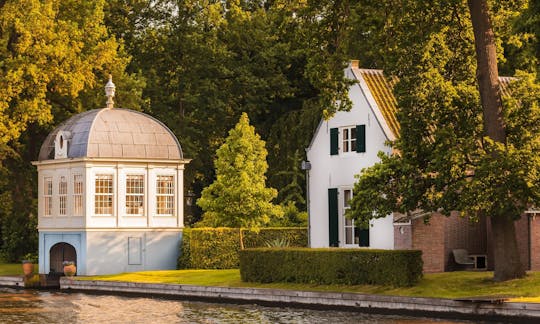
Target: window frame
x=104 y=194
x=348 y=224
x=78 y=196
x=347 y=141
x=170 y=195
x=48 y=196
x=62 y=196
x=141 y=195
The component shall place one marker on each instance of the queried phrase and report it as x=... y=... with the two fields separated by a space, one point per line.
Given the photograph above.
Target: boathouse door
x=59 y=253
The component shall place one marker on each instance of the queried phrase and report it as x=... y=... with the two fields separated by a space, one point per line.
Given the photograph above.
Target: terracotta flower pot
x=69 y=269
x=28 y=268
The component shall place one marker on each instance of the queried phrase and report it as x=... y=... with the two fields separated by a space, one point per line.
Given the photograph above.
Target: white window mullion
x=135 y=195
x=165 y=192
x=103 y=203
x=62 y=196
x=47 y=196
x=77 y=195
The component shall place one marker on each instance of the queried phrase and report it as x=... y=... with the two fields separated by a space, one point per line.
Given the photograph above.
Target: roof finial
x=109 y=92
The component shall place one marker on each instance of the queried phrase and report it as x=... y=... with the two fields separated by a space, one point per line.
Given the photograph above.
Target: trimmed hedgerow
x=331 y=266
x=218 y=248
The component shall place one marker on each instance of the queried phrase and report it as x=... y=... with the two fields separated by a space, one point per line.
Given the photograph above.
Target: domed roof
x=114 y=133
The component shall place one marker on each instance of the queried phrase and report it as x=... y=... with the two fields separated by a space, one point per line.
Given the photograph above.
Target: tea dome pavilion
x=110 y=193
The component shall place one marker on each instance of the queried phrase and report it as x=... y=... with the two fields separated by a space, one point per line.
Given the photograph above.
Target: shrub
x=213 y=248
x=295 y=236
x=218 y=248
x=331 y=266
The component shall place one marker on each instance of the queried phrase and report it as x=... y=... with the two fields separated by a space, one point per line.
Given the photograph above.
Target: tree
x=454 y=152
x=55 y=56
x=239 y=196
x=280 y=61
x=507 y=263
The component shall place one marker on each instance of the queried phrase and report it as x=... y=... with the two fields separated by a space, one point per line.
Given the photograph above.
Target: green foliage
x=239 y=197
x=50 y=51
x=279 y=242
x=291 y=217
x=281 y=62
x=445 y=160
x=32 y=282
x=30 y=257
x=331 y=266
x=56 y=57
x=218 y=248
x=215 y=248
x=295 y=236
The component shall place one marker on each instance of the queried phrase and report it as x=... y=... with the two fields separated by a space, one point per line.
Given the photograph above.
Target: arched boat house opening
x=59 y=253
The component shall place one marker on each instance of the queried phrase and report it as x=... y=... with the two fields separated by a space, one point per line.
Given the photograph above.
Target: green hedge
x=331 y=266
x=218 y=248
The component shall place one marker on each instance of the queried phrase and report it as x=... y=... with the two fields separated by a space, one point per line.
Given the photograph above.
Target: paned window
x=104 y=194
x=47 y=195
x=135 y=195
x=62 y=196
x=349 y=223
x=77 y=195
x=349 y=139
x=165 y=195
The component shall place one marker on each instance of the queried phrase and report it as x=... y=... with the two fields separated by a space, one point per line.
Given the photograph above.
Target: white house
x=340 y=148
x=110 y=193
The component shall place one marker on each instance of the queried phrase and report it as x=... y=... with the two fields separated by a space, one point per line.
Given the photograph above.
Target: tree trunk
x=507 y=263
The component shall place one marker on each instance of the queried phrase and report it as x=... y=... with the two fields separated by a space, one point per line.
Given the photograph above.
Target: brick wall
x=535 y=241
x=522 y=235
x=460 y=233
x=402 y=234
x=429 y=238
x=437 y=239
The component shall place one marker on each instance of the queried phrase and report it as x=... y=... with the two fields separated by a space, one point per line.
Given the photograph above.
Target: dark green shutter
x=333 y=141
x=333 y=217
x=364 y=237
x=360 y=138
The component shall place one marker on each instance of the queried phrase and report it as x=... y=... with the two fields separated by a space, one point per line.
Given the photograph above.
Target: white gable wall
x=337 y=171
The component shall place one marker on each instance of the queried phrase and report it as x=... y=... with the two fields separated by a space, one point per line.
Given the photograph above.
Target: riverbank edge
x=479 y=309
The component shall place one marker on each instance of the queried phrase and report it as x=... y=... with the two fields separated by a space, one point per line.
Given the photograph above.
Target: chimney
x=354 y=64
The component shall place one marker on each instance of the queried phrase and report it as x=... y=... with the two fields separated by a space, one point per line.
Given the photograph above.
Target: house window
x=62 y=196
x=104 y=194
x=77 y=195
x=351 y=236
x=165 y=195
x=348 y=139
x=135 y=195
x=47 y=196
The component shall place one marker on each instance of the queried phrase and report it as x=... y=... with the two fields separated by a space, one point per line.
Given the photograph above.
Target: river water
x=30 y=306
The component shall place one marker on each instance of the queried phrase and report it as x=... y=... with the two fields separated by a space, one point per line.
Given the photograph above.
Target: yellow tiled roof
x=381 y=89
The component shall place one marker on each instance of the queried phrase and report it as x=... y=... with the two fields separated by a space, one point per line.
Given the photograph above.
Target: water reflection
x=28 y=306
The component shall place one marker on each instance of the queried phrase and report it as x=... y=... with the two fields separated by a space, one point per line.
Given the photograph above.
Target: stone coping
x=480 y=309
x=12 y=281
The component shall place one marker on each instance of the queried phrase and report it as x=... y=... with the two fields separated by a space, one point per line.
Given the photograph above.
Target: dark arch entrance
x=59 y=253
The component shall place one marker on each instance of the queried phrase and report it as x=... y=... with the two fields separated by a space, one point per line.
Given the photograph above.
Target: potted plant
x=28 y=265
x=69 y=268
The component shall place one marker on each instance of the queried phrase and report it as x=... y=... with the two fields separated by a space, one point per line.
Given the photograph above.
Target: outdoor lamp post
x=306 y=165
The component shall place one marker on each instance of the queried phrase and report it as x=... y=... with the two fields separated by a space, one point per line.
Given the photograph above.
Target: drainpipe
x=306 y=165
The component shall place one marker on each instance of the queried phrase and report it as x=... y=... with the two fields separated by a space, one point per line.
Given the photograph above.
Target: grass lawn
x=440 y=285
x=10 y=269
